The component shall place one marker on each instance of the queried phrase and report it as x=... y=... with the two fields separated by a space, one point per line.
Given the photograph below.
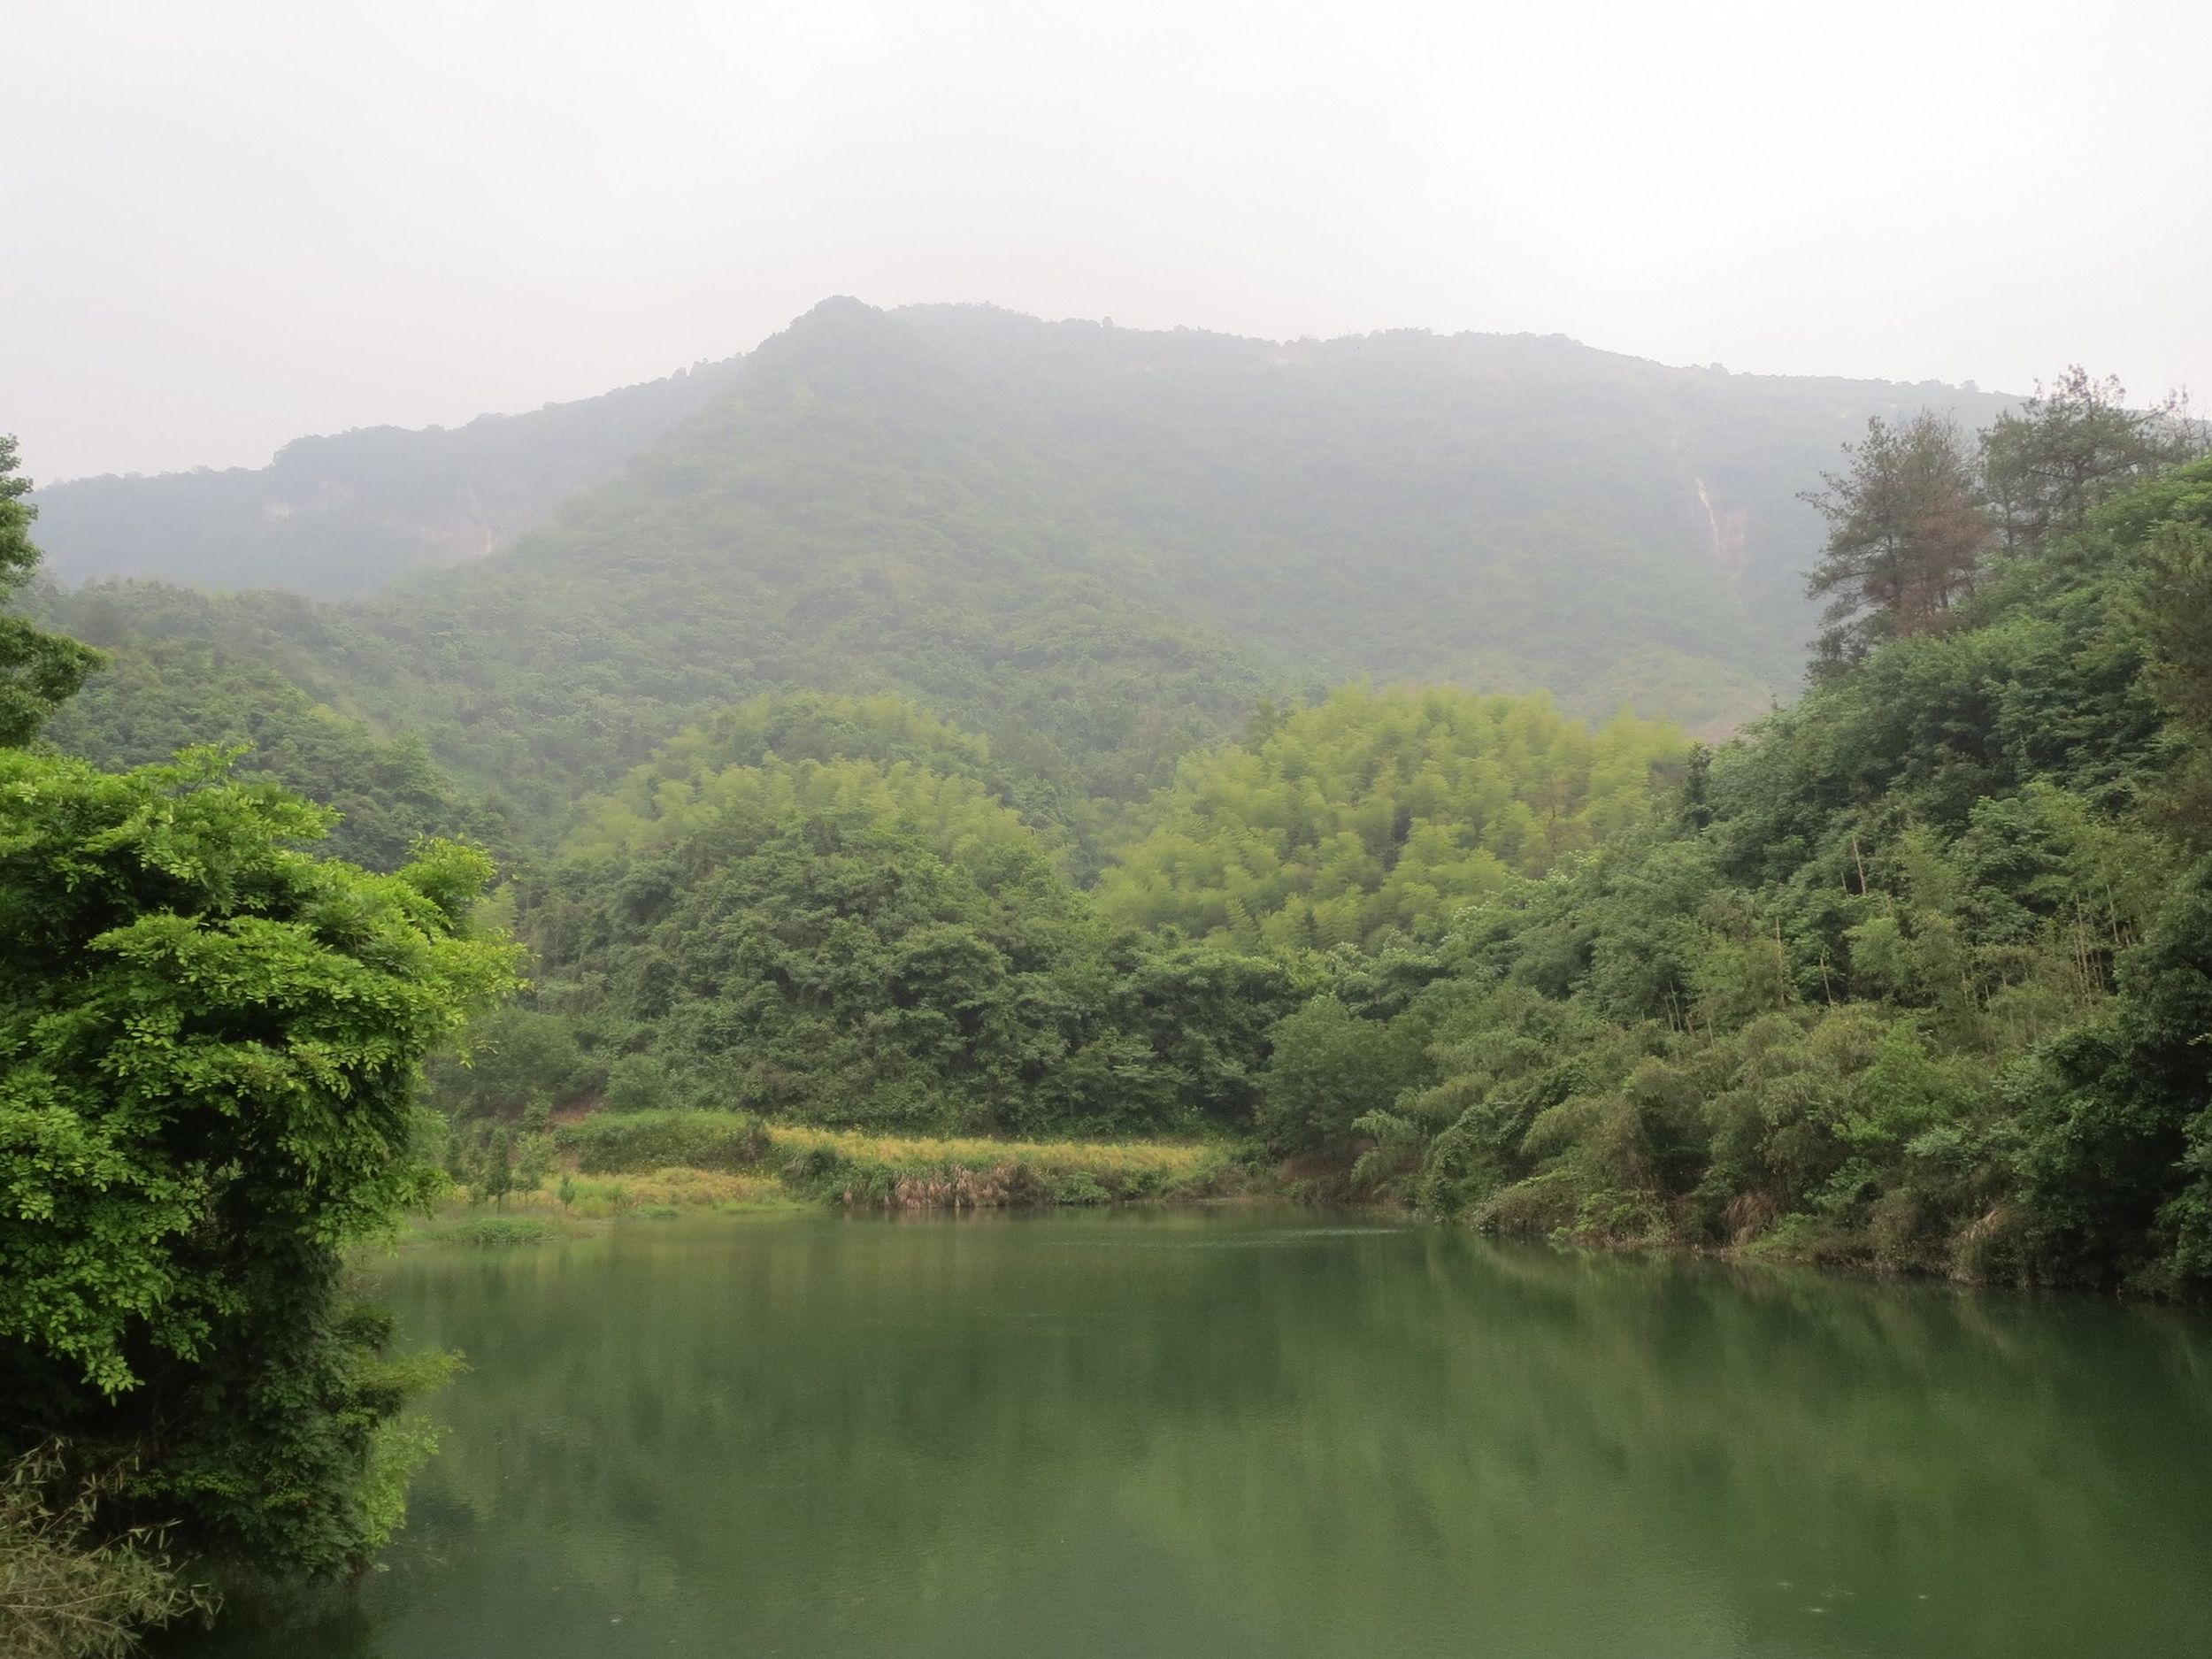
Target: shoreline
x=790 y=1169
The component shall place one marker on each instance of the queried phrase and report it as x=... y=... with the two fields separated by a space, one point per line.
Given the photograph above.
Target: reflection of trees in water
x=864 y=1432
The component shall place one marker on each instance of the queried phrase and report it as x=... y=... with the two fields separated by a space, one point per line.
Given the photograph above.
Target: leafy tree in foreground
x=208 y=1042
x=37 y=669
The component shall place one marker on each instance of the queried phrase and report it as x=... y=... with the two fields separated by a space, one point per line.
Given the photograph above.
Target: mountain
x=345 y=513
x=1507 y=511
x=1098 y=546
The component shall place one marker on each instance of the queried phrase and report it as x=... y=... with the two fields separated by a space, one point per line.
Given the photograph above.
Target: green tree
x=840 y=938
x=1331 y=1068
x=2173 y=606
x=1372 y=815
x=518 y=1058
x=2070 y=446
x=2177 y=617
x=209 y=1046
x=1906 y=529
x=38 y=670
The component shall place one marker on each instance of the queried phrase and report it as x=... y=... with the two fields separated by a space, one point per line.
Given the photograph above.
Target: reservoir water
x=1267 y=1433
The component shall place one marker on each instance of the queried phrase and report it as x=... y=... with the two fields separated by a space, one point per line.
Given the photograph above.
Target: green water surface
x=1229 y=1432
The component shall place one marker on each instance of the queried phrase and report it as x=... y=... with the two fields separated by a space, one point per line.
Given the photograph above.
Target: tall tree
x=208 y=1042
x=37 y=669
x=2069 y=447
x=1906 y=532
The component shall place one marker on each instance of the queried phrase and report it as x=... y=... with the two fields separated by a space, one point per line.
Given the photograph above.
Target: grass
x=674 y=1189
x=623 y=1171
x=906 y=1172
x=489 y=1232
x=612 y=1142
x=540 y=1216
x=1125 y=1158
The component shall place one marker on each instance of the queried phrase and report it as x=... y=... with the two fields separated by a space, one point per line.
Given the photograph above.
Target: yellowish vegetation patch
x=1131 y=1156
x=596 y=1197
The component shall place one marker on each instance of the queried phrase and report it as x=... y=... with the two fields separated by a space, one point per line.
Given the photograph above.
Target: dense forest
x=1368 y=818
x=1909 y=974
x=903 y=749
x=1101 y=545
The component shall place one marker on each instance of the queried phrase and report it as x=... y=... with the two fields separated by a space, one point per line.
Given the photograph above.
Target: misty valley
x=1021 y=987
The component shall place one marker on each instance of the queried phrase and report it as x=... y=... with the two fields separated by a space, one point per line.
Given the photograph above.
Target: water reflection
x=1225 y=1433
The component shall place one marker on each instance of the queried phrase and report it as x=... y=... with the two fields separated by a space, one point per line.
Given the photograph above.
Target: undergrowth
x=630 y=1163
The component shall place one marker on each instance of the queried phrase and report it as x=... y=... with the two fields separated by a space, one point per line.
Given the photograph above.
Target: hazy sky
x=229 y=224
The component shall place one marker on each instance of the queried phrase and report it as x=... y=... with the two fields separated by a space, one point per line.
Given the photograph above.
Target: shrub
x=493 y=1232
x=1081 y=1187
x=1331 y=1068
x=611 y=1144
x=64 y=1594
x=638 y=1083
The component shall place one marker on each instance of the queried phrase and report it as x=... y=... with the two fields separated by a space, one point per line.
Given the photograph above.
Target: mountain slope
x=1099 y=546
x=347 y=513
x=836 y=522
x=1504 y=511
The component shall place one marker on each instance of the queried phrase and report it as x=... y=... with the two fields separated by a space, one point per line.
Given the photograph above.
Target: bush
x=64 y=1596
x=492 y=1232
x=1331 y=1068
x=612 y=1144
x=1081 y=1187
x=638 y=1083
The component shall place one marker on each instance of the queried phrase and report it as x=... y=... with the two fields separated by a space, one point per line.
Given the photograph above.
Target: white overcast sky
x=227 y=224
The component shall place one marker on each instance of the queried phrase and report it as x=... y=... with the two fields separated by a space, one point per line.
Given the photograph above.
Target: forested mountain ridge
x=1510 y=512
x=1099 y=545
x=833 y=525
x=348 y=512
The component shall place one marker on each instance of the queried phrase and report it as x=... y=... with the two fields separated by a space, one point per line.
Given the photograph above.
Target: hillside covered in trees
x=1908 y=974
x=1099 y=545
x=347 y=513
x=1916 y=974
x=1021 y=879
x=857 y=756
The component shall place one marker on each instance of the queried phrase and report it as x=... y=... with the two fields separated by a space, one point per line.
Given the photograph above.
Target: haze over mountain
x=339 y=514
x=1104 y=541
x=250 y=221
